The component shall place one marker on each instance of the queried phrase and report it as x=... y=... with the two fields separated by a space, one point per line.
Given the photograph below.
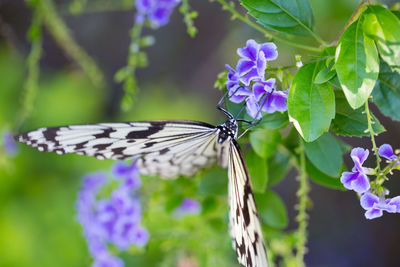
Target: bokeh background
x=38 y=190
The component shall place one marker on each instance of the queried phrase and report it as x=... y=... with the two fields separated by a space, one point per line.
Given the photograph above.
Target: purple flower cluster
x=8 y=143
x=188 y=206
x=247 y=82
x=358 y=181
x=114 y=220
x=375 y=205
x=156 y=11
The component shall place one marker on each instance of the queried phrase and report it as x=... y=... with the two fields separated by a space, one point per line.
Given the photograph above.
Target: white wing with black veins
x=245 y=227
x=164 y=148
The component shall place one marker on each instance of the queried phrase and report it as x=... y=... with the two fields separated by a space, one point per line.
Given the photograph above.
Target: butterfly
x=168 y=149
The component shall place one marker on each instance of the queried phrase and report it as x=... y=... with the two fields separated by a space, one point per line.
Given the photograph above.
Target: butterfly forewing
x=245 y=227
x=164 y=148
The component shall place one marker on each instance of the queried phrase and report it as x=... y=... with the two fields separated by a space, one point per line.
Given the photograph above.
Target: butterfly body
x=168 y=149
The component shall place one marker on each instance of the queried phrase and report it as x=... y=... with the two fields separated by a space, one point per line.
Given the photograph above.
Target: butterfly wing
x=245 y=228
x=164 y=148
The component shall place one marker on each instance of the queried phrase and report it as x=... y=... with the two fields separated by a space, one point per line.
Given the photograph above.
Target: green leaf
x=264 y=142
x=214 y=182
x=384 y=27
x=325 y=71
x=208 y=205
x=325 y=154
x=323 y=179
x=257 y=167
x=386 y=94
x=350 y=122
x=357 y=64
x=274 y=120
x=272 y=209
x=289 y=16
x=311 y=106
x=278 y=166
x=173 y=202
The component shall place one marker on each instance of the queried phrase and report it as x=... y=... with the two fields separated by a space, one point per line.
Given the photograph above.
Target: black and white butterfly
x=168 y=149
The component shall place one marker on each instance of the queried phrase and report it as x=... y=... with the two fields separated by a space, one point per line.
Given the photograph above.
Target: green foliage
x=276 y=120
x=294 y=17
x=384 y=28
x=278 y=166
x=386 y=94
x=264 y=142
x=357 y=64
x=351 y=122
x=188 y=17
x=258 y=168
x=322 y=178
x=325 y=154
x=311 y=106
x=272 y=209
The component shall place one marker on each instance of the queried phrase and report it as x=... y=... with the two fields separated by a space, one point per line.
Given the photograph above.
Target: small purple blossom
x=128 y=172
x=375 y=205
x=8 y=143
x=254 y=59
x=247 y=82
x=188 y=206
x=114 y=220
x=357 y=180
x=157 y=11
x=386 y=151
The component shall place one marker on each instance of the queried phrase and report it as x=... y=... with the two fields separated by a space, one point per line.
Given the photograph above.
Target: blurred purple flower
x=375 y=205
x=114 y=220
x=254 y=59
x=386 y=151
x=357 y=180
x=157 y=11
x=188 y=206
x=8 y=143
x=128 y=172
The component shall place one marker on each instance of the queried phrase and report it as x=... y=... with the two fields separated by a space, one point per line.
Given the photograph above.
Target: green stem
x=33 y=61
x=267 y=33
x=302 y=216
x=372 y=135
x=60 y=32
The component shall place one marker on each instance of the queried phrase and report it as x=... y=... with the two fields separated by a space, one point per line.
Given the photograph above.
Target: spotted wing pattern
x=245 y=228
x=164 y=148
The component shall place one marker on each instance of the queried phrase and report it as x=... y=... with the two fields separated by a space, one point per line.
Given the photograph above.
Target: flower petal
x=252 y=75
x=373 y=213
x=250 y=51
x=269 y=50
x=359 y=154
x=244 y=66
x=347 y=178
x=261 y=64
x=361 y=183
x=367 y=200
x=238 y=93
x=395 y=202
x=386 y=151
x=258 y=90
x=252 y=107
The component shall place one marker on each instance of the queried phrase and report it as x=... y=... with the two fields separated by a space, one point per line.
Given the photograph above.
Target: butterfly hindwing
x=164 y=148
x=245 y=227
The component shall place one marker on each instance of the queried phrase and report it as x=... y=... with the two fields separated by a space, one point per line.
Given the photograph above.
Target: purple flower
x=129 y=173
x=386 y=151
x=357 y=180
x=157 y=11
x=273 y=100
x=8 y=143
x=375 y=205
x=114 y=220
x=107 y=260
x=188 y=206
x=254 y=59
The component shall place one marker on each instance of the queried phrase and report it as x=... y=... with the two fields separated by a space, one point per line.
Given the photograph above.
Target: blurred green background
x=38 y=190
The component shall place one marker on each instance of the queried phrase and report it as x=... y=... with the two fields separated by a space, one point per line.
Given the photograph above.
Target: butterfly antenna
x=255 y=122
x=223 y=100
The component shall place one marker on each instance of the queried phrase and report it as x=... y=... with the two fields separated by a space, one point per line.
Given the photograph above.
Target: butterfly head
x=227 y=130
